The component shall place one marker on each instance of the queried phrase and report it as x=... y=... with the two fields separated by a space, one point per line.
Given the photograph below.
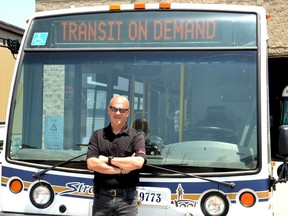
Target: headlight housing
x=41 y=195
x=214 y=204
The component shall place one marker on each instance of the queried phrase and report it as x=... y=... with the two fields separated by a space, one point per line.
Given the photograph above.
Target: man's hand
x=103 y=158
x=124 y=165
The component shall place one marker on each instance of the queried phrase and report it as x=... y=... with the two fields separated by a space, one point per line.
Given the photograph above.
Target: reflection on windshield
x=197 y=109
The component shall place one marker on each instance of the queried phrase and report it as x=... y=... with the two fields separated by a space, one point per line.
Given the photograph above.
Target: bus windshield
x=199 y=107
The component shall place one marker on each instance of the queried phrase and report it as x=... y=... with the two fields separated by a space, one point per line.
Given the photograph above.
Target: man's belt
x=116 y=192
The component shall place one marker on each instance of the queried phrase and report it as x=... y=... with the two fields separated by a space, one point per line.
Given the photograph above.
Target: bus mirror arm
x=282 y=173
x=282 y=170
x=40 y=173
x=227 y=184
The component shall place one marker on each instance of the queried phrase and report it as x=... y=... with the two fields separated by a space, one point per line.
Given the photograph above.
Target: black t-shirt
x=105 y=142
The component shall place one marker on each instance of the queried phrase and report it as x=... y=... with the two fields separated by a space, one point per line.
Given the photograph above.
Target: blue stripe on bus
x=189 y=187
x=198 y=187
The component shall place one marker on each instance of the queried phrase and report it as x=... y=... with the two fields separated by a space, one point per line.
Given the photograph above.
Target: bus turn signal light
x=247 y=199
x=16 y=185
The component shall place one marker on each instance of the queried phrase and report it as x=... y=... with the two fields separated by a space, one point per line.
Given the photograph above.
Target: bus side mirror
x=283 y=141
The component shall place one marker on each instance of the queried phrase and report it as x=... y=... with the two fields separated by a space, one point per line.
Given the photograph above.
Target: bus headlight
x=214 y=203
x=41 y=195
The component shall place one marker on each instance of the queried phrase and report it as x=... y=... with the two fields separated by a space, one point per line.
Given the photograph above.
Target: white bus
x=197 y=74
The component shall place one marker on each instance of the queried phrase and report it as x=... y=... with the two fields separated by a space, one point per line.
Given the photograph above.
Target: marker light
x=214 y=203
x=114 y=7
x=268 y=16
x=16 y=185
x=139 y=6
x=41 y=195
x=247 y=199
x=164 y=5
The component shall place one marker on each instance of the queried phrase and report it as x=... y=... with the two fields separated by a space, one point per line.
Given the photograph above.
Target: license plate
x=153 y=196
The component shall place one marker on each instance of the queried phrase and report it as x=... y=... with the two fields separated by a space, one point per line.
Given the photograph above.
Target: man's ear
x=127 y=113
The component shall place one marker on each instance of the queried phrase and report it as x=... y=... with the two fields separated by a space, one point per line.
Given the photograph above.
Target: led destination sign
x=147 y=29
x=141 y=30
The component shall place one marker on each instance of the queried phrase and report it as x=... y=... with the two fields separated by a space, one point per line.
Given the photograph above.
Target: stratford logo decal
x=77 y=188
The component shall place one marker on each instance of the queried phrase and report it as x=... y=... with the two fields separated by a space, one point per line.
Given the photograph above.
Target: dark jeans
x=124 y=204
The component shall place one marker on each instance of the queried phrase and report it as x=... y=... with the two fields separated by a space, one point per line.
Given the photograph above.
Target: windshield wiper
x=38 y=174
x=227 y=184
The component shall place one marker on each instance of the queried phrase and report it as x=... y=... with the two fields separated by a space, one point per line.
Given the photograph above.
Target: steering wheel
x=213 y=133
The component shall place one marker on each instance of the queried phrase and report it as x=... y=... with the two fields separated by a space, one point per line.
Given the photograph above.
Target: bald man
x=116 y=153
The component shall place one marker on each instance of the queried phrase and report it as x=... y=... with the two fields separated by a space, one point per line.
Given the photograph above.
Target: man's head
x=118 y=111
